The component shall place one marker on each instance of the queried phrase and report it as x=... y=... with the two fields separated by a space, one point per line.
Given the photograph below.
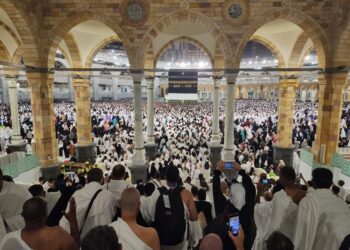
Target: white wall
x=29 y=177
x=306 y=170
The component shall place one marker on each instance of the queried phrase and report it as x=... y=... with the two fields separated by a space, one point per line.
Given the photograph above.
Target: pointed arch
x=183 y=38
x=18 y=55
x=4 y=54
x=182 y=15
x=66 y=55
x=73 y=51
x=11 y=32
x=296 y=58
x=26 y=28
x=63 y=27
x=272 y=47
x=305 y=22
x=97 y=48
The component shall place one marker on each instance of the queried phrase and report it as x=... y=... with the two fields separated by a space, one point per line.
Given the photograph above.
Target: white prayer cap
x=176 y=162
x=237 y=197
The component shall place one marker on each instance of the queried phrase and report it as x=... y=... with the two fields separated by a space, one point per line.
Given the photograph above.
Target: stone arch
x=307 y=51
x=181 y=15
x=272 y=47
x=4 y=54
x=63 y=27
x=183 y=38
x=305 y=22
x=73 y=51
x=18 y=55
x=26 y=29
x=295 y=58
x=10 y=31
x=66 y=56
x=342 y=48
x=98 y=47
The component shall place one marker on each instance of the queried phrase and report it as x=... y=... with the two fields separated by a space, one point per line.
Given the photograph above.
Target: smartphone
x=229 y=170
x=234 y=224
x=229 y=165
x=266 y=181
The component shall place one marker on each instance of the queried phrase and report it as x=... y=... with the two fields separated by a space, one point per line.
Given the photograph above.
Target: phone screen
x=229 y=165
x=234 y=225
x=265 y=182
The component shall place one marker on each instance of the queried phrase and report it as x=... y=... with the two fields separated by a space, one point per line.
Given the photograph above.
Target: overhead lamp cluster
x=263 y=61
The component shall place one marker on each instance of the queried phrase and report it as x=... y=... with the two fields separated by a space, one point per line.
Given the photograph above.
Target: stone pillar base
x=86 y=153
x=215 y=154
x=151 y=151
x=21 y=147
x=51 y=171
x=138 y=171
x=285 y=154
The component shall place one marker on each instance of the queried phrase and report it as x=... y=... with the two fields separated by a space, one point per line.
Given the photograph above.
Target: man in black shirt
x=204 y=206
x=246 y=213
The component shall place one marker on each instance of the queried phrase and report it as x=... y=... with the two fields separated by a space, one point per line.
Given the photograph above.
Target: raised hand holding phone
x=234 y=224
x=238 y=240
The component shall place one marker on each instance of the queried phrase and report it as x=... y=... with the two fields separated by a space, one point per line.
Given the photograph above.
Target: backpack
x=169 y=220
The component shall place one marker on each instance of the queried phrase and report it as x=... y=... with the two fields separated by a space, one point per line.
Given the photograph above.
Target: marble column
x=215 y=134
x=85 y=149
x=139 y=166
x=43 y=115
x=4 y=92
x=303 y=95
x=150 y=147
x=17 y=143
x=71 y=89
x=330 y=103
x=314 y=95
x=284 y=148
x=229 y=153
x=215 y=146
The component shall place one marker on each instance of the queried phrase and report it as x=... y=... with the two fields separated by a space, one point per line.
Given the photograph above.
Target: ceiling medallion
x=135 y=12
x=236 y=11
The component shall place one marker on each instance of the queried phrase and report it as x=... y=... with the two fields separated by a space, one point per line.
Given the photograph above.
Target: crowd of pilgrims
x=105 y=211
x=186 y=203
x=176 y=126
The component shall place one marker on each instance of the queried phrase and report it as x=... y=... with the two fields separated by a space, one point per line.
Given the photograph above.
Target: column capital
x=80 y=81
x=137 y=75
x=217 y=77
x=150 y=83
x=218 y=74
x=289 y=82
x=149 y=78
x=12 y=80
x=230 y=78
x=80 y=77
x=322 y=80
x=37 y=79
x=11 y=77
x=217 y=82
